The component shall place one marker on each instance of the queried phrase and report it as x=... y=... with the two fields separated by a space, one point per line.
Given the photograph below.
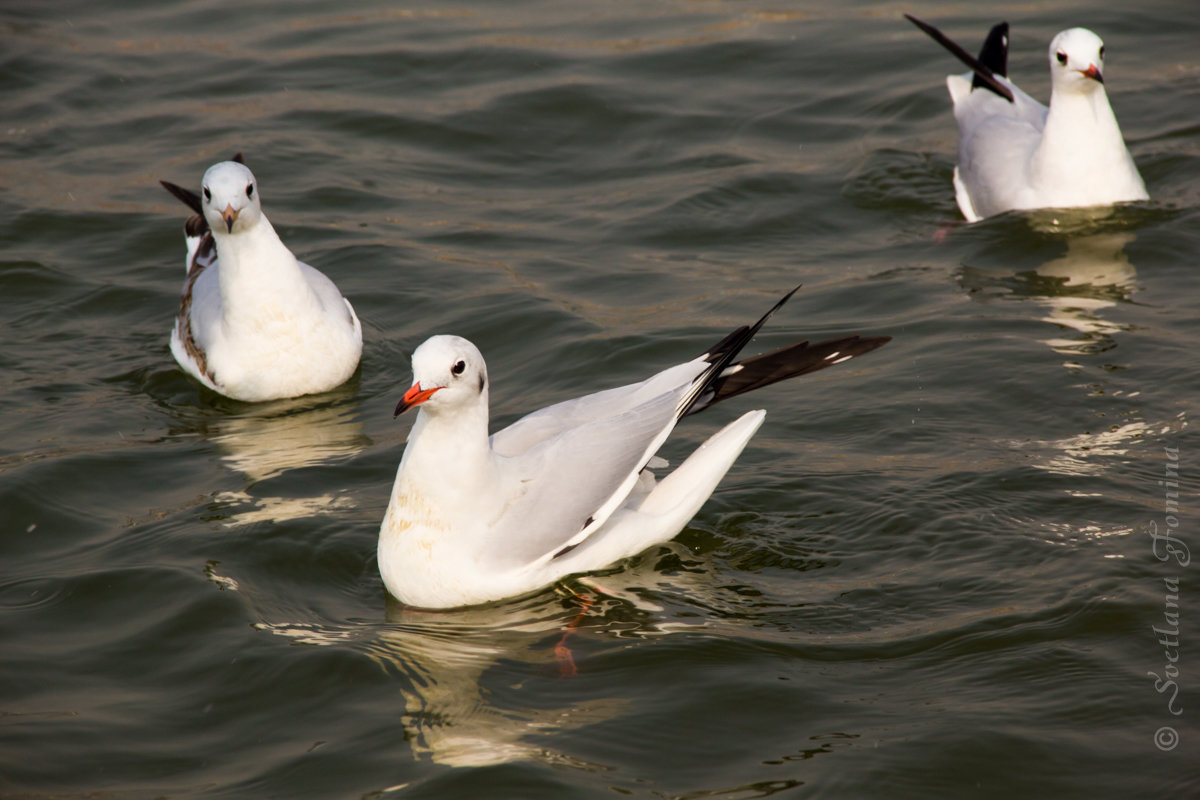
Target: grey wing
x=973 y=107
x=199 y=313
x=533 y=429
x=205 y=311
x=573 y=481
x=330 y=296
x=996 y=141
x=1026 y=108
x=325 y=289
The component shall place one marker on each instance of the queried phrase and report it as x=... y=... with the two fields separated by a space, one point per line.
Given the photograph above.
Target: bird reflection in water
x=262 y=446
x=478 y=683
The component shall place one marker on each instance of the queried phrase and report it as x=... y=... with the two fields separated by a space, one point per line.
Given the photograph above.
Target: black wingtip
x=722 y=354
x=787 y=362
x=187 y=196
x=983 y=74
x=738 y=337
x=237 y=157
x=994 y=54
x=763 y=320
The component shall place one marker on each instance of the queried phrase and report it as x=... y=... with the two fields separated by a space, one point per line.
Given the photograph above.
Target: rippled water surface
x=933 y=572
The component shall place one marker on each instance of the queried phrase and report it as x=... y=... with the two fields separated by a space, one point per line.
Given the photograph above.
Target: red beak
x=414 y=397
x=1093 y=72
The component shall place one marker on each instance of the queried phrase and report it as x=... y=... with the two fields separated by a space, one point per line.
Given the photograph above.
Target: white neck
x=258 y=273
x=449 y=455
x=1081 y=139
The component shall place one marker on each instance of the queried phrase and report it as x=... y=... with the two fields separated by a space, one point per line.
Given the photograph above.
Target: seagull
x=254 y=322
x=1015 y=153
x=473 y=519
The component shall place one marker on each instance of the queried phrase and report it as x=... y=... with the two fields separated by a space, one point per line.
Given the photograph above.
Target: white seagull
x=1015 y=153
x=254 y=322
x=566 y=489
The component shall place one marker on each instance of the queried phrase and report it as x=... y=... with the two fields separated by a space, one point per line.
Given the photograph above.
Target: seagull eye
x=1061 y=56
x=458 y=367
x=249 y=190
x=1101 y=52
x=208 y=194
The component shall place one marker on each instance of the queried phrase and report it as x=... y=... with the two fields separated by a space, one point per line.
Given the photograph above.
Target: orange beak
x=230 y=216
x=414 y=397
x=1093 y=72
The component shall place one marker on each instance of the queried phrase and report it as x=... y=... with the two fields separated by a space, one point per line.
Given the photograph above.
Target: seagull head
x=1077 y=60
x=448 y=372
x=229 y=195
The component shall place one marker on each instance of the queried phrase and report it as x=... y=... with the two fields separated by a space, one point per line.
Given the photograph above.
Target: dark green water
x=931 y=574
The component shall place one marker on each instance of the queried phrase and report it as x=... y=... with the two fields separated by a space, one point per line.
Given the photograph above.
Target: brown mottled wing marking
x=202 y=260
x=206 y=253
x=196 y=225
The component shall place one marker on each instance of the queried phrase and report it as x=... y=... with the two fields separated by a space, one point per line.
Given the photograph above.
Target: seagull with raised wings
x=1015 y=153
x=568 y=489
